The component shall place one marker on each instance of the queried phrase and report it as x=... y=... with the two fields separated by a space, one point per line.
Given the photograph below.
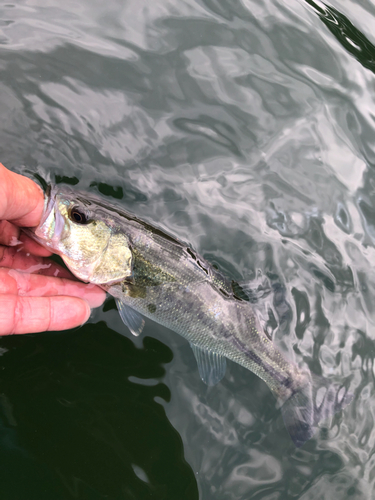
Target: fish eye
x=78 y=216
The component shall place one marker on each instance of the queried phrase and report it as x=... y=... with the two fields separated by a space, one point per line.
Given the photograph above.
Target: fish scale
x=235 y=333
x=152 y=274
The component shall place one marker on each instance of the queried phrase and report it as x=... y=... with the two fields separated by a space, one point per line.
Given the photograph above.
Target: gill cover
x=91 y=245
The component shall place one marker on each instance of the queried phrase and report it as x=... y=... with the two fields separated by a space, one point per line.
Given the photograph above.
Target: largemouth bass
x=153 y=274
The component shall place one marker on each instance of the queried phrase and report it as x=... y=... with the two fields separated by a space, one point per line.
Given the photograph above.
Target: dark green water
x=245 y=128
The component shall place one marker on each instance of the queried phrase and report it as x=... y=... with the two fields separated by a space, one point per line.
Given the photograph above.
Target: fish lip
x=49 y=201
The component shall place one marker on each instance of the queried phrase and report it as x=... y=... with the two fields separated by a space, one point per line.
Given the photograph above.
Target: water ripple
x=245 y=129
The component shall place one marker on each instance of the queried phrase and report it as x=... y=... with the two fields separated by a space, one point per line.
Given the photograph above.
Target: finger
x=16 y=259
x=40 y=314
x=33 y=285
x=11 y=235
x=31 y=246
x=21 y=200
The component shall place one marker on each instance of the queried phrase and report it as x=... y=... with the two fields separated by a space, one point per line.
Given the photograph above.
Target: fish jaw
x=51 y=228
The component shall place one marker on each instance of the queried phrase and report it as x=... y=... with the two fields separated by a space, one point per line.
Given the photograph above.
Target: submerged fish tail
x=307 y=406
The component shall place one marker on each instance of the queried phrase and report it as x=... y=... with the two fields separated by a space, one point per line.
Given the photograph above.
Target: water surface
x=246 y=129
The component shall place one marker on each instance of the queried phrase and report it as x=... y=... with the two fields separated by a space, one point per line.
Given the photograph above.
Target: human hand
x=36 y=294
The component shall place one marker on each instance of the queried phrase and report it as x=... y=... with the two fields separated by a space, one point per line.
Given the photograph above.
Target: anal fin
x=211 y=366
x=132 y=319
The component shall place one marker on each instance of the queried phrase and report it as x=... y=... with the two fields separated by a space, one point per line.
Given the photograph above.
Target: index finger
x=21 y=199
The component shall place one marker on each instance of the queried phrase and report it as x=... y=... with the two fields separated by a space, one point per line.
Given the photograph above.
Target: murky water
x=245 y=128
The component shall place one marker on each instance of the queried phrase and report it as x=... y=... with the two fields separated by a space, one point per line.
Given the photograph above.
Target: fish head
x=86 y=237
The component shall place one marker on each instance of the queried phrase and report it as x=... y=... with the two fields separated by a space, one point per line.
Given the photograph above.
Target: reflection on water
x=70 y=401
x=245 y=128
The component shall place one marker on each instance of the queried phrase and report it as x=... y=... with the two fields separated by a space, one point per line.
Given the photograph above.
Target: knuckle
x=18 y=314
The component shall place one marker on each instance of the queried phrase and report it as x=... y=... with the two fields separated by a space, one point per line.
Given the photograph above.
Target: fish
x=152 y=274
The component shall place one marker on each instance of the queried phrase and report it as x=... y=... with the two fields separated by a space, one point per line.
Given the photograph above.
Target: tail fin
x=312 y=403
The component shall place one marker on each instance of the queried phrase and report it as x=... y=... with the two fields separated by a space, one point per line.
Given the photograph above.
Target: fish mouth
x=51 y=218
x=48 y=204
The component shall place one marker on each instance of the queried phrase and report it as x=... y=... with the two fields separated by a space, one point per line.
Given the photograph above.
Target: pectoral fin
x=132 y=319
x=211 y=366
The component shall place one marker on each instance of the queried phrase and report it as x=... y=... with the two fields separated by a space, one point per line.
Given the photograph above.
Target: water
x=245 y=128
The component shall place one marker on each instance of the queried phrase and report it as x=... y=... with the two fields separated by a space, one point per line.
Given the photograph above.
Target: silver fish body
x=153 y=274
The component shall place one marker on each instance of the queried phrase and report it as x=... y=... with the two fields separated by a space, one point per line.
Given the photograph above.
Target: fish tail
x=314 y=402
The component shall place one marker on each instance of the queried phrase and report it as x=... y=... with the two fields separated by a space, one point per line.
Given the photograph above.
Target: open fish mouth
x=50 y=229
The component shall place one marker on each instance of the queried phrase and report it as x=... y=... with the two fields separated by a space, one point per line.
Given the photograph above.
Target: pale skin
x=36 y=295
